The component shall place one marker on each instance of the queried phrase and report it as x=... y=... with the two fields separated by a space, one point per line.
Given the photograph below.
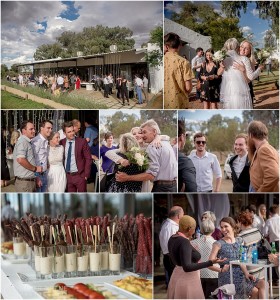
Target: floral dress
x=128 y=186
x=243 y=286
x=210 y=89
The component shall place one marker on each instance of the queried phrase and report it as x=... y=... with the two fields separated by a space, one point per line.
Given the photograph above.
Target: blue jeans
x=44 y=186
x=139 y=94
x=251 y=189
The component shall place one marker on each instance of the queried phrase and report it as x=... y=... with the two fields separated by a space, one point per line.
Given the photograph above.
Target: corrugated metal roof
x=137 y=51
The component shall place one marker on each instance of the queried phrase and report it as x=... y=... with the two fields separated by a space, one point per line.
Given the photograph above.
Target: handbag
x=106 y=179
x=264 y=249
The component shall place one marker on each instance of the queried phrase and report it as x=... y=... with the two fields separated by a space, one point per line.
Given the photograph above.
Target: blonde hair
x=251 y=56
x=186 y=223
x=132 y=129
x=14 y=137
x=152 y=124
x=127 y=141
x=231 y=44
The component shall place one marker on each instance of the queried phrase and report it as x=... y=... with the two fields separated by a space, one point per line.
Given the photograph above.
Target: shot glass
x=46 y=262
x=104 y=264
x=71 y=261
x=115 y=259
x=19 y=247
x=37 y=262
x=59 y=261
x=95 y=260
x=82 y=260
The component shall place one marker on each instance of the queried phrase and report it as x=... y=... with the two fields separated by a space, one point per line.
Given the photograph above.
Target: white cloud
x=173 y=7
x=245 y=29
x=255 y=12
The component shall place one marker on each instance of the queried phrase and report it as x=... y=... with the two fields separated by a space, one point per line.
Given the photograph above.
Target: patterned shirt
x=204 y=246
x=177 y=71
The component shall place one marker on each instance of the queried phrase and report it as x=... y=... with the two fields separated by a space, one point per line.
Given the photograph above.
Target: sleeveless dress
x=56 y=173
x=235 y=92
x=128 y=186
x=243 y=287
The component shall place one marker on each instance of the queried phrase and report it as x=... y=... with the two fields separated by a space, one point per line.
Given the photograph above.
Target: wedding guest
x=78 y=83
x=186 y=168
x=209 y=215
x=256 y=221
x=24 y=160
x=163 y=164
x=177 y=74
x=240 y=165
x=197 y=64
x=40 y=149
x=127 y=142
x=169 y=227
x=139 y=86
x=124 y=91
x=262 y=214
x=145 y=87
x=77 y=128
x=209 y=279
x=107 y=164
x=206 y=164
x=185 y=280
x=77 y=160
x=91 y=132
x=228 y=247
x=56 y=176
x=264 y=169
x=5 y=174
x=210 y=87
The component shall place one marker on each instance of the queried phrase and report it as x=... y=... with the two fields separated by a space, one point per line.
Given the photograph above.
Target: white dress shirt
x=271 y=228
x=168 y=228
x=205 y=167
x=139 y=81
x=41 y=151
x=238 y=164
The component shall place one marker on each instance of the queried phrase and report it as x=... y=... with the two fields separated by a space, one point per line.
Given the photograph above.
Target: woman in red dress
x=78 y=83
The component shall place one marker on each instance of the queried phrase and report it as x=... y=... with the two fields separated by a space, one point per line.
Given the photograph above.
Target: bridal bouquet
x=220 y=55
x=262 y=55
x=138 y=157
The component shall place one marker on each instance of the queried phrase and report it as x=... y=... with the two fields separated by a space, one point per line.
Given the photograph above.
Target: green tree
x=14 y=68
x=154 y=58
x=4 y=70
x=48 y=51
x=270 y=40
x=268 y=10
x=203 y=19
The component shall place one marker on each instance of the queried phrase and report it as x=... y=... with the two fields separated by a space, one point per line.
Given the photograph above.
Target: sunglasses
x=200 y=142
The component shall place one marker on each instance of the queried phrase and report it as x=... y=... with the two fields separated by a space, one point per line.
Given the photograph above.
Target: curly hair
x=245 y=218
x=127 y=141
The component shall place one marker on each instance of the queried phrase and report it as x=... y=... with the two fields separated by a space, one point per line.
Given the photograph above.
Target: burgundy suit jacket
x=82 y=155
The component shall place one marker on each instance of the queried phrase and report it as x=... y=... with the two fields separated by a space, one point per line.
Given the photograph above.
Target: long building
x=127 y=62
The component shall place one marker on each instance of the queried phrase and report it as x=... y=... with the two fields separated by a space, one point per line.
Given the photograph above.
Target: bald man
x=169 y=227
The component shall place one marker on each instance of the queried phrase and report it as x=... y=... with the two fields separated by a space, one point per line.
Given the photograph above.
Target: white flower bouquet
x=219 y=55
x=138 y=157
x=262 y=55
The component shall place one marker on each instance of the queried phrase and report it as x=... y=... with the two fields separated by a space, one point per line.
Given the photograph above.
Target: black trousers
x=168 y=265
x=209 y=285
x=106 y=90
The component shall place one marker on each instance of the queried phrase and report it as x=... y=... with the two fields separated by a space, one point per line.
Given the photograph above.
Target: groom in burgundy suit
x=77 y=160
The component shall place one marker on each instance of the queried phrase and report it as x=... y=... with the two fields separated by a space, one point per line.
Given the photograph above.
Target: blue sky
x=26 y=25
x=249 y=22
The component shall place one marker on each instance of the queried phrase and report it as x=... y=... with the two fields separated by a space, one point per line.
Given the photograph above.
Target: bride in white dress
x=235 y=92
x=56 y=172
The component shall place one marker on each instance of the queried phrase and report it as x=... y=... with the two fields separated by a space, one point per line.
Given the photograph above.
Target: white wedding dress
x=56 y=172
x=235 y=92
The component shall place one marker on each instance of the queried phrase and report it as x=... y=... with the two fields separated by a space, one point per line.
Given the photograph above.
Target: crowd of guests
x=52 y=161
x=195 y=266
x=161 y=175
x=254 y=167
x=227 y=81
x=58 y=83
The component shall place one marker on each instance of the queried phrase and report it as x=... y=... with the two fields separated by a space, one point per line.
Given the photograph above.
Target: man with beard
x=240 y=165
x=264 y=169
x=163 y=167
x=206 y=164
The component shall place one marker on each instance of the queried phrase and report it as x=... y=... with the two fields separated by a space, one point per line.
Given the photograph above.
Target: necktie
x=68 y=162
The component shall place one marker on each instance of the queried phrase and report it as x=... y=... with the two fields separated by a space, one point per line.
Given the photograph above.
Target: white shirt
x=197 y=61
x=205 y=167
x=257 y=222
x=168 y=228
x=238 y=164
x=145 y=82
x=138 y=81
x=60 y=80
x=73 y=164
x=41 y=150
x=61 y=134
x=105 y=80
x=271 y=228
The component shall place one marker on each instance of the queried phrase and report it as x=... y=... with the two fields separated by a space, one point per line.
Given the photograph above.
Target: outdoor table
x=265 y=266
x=89 y=85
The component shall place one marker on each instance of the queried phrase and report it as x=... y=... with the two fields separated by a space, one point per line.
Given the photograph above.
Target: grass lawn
x=10 y=101
x=266 y=82
x=65 y=98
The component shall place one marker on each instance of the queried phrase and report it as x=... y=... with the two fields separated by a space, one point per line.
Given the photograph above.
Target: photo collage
x=140 y=149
